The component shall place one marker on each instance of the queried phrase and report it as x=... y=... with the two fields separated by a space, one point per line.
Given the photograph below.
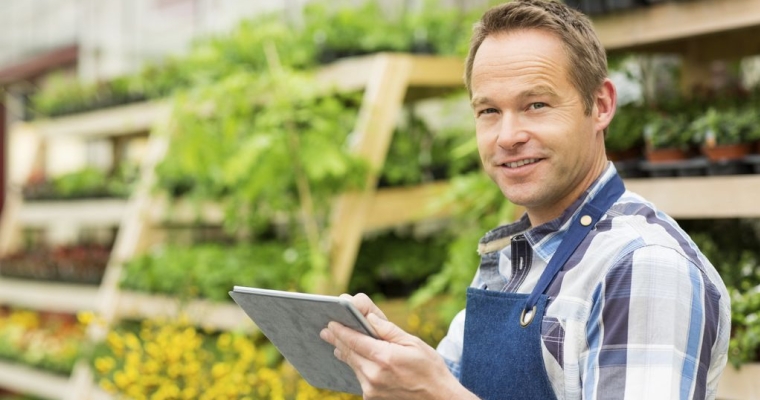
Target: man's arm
x=400 y=366
x=653 y=324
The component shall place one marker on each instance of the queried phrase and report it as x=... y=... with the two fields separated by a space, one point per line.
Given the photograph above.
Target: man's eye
x=487 y=111
x=537 y=106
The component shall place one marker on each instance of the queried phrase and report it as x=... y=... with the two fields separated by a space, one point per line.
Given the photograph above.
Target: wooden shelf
x=202 y=313
x=731 y=196
x=87 y=212
x=665 y=26
x=48 y=296
x=117 y=121
x=24 y=379
x=354 y=74
x=389 y=207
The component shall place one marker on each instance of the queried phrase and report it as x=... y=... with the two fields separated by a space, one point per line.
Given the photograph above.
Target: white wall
x=118 y=36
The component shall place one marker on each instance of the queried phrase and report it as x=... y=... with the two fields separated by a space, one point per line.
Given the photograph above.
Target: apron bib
x=502 y=356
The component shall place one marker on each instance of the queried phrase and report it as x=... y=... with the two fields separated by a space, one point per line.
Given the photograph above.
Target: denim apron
x=502 y=356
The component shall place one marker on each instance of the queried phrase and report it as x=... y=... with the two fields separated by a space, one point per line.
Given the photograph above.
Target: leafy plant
x=668 y=131
x=395 y=264
x=626 y=131
x=89 y=182
x=27 y=337
x=477 y=207
x=211 y=270
x=718 y=128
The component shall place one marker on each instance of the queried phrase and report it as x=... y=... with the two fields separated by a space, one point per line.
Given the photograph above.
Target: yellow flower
x=104 y=364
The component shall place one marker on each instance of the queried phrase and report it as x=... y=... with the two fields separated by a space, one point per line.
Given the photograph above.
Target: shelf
x=48 y=296
x=353 y=74
x=390 y=207
x=89 y=212
x=23 y=379
x=730 y=196
x=117 y=121
x=661 y=27
x=203 y=313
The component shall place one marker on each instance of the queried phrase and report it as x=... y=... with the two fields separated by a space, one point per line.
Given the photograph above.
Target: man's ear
x=605 y=104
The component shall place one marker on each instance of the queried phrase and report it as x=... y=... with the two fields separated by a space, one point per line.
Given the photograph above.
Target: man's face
x=534 y=138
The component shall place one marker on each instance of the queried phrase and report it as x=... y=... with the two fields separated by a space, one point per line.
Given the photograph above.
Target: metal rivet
x=586 y=220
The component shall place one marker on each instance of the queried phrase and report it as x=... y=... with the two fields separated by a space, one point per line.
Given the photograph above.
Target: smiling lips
x=520 y=163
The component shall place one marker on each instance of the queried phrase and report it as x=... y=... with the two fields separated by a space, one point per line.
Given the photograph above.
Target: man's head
x=541 y=102
x=586 y=57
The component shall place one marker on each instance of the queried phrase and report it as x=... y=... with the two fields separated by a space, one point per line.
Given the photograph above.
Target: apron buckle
x=527 y=316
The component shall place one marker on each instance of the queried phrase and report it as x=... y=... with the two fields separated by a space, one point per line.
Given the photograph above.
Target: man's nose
x=512 y=132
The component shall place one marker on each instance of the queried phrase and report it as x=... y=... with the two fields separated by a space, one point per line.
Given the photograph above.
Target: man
x=593 y=294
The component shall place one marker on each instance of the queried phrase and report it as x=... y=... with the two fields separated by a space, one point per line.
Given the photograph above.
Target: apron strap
x=582 y=224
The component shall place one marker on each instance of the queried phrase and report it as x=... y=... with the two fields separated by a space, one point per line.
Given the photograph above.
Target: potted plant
x=722 y=134
x=668 y=138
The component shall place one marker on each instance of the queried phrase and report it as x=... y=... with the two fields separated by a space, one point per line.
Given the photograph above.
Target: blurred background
x=156 y=153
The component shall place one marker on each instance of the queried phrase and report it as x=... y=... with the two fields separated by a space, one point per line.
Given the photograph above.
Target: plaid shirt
x=636 y=313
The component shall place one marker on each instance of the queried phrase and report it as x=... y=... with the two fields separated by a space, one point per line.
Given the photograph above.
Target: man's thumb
x=385 y=329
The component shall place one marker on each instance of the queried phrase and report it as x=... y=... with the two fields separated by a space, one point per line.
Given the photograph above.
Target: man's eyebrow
x=540 y=90
x=536 y=91
x=478 y=100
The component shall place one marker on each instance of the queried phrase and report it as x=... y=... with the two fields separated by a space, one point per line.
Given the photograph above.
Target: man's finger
x=364 y=304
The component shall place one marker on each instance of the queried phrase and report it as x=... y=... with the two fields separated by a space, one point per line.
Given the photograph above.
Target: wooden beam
x=134 y=234
x=51 y=296
x=24 y=379
x=674 y=20
x=89 y=212
x=405 y=205
x=436 y=71
x=203 y=313
x=381 y=106
x=116 y=121
x=26 y=155
x=732 y=196
x=350 y=74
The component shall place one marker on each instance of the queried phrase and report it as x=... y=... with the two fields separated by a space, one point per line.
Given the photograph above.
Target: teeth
x=521 y=163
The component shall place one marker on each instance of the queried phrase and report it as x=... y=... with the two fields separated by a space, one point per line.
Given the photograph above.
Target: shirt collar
x=545 y=238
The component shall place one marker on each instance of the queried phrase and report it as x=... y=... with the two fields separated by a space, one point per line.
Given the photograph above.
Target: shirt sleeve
x=653 y=323
x=450 y=347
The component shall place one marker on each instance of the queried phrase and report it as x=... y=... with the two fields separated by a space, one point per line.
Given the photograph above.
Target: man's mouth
x=520 y=163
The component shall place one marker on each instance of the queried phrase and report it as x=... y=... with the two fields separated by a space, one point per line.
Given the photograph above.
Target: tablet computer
x=292 y=322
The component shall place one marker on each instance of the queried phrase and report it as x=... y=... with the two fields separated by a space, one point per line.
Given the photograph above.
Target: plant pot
x=727 y=152
x=624 y=155
x=667 y=155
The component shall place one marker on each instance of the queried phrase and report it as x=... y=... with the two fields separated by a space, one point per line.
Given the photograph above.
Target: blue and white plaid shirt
x=636 y=313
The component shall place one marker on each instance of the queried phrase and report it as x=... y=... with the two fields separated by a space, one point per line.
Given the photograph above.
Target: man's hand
x=400 y=366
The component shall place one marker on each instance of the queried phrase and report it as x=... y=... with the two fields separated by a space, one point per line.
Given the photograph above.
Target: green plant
x=88 y=182
x=745 y=321
x=716 y=127
x=354 y=29
x=395 y=264
x=477 y=206
x=49 y=343
x=668 y=131
x=626 y=131
x=211 y=270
